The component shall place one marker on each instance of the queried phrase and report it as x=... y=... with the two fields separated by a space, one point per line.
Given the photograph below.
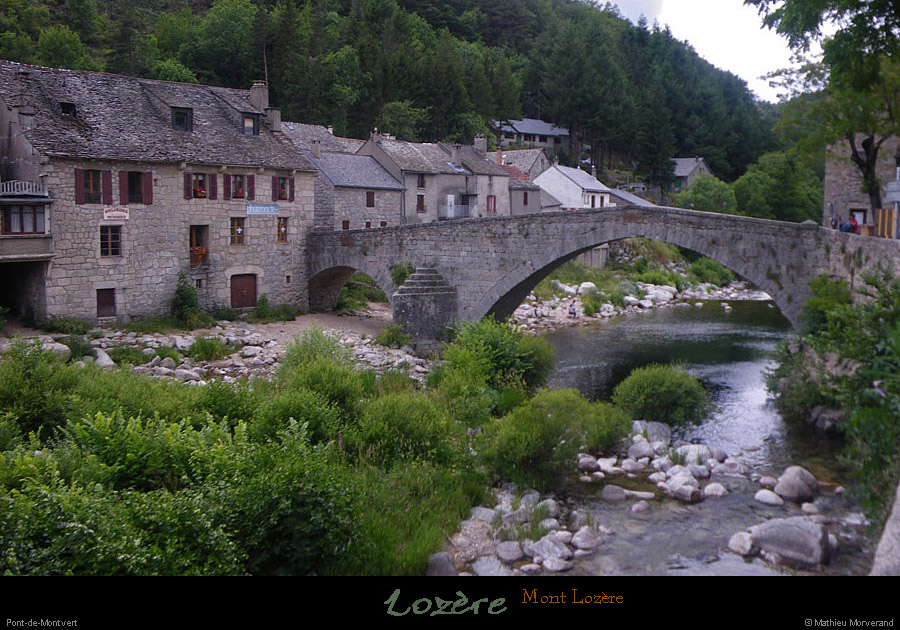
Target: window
x=135 y=191
x=368 y=224
x=110 y=240
x=345 y=225
x=238 y=187
x=237 y=231
x=282 y=230
x=492 y=204
x=421 y=181
x=420 y=203
x=525 y=199
x=68 y=109
x=370 y=199
x=23 y=220
x=199 y=245
x=199 y=185
x=251 y=124
x=106 y=302
x=543 y=138
x=593 y=201
x=283 y=188
x=529 y=137
x=384 y=224
x=92 y=187
x=182 y=119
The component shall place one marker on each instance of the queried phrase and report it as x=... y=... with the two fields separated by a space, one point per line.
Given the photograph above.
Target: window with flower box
x=199 y=186
x=199 y=245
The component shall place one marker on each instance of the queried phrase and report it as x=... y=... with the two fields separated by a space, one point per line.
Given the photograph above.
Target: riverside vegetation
x=848 y=360
x=323 y=469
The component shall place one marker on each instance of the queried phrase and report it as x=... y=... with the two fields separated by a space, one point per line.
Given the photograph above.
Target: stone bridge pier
x=470 y=268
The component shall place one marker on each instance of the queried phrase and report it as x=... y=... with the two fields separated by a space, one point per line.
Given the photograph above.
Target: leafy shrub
x=232 y=401
x=662 y=393
x=509 y=354
x=358 y=291
x=79 y=347
x=315 y=343
x=35 y=387
x=263 y=313
x=537 y=442
x=67 y=326
x=128 y=354
x=168 y=353
x=406 y=427
x=393 y=337
x=461 y=388
x=828 y=295
x=185 y=300
x=274 y=414
x=209 y=349
x=337 y=382
x=708 y=270
x=400 y=273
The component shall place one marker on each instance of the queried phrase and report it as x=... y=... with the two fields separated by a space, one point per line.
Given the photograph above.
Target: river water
x=729 y=353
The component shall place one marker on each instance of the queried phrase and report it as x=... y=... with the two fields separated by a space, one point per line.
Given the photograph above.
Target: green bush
x=393 y=337
x=662 y=393
x=400 y=273
x=128 y=354
x=708 y=270
x=338 y=383
x=537 y=442
x=232 y=401
x=35 y=387
x=312 y=344
x=406 y=427
x=67 y=326
x=273 y=415
x=79 y=347
x=209 y=349
x=828 y=296
x=185 y=300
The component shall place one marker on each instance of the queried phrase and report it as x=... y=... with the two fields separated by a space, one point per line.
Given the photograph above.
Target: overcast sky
x=726 y=33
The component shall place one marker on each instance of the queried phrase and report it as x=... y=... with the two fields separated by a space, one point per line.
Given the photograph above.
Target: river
x=729 y=353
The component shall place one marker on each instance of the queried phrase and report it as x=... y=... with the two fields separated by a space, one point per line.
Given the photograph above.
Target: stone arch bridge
x=476 y=267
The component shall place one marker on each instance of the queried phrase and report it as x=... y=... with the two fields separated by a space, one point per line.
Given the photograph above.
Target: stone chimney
x=481 y=144
x=317 y=149
x=23 y=98
x=454 y=153
x=273 y=118
x=499 y=156
x=259 y=95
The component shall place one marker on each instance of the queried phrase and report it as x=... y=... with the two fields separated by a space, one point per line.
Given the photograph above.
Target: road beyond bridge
x=477 y=267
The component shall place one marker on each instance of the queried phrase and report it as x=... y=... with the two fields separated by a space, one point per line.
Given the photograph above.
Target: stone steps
x=425 y=281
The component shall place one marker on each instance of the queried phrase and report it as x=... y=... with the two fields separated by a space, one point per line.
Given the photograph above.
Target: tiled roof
x=584 y=180
x=628 y=197
x=513 y=172
x=418 y=157
x=130 y=119
x=354 y=171
x=522 y=159
x=534 y=126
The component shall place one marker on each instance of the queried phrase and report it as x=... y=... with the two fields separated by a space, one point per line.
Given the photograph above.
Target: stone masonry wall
x=155 y=242
x=843 y=182
x=350 y=205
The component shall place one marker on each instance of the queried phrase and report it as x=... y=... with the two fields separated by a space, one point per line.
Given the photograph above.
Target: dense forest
x=424 y=70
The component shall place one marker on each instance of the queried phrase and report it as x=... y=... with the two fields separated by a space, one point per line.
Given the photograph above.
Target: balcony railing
x=17 y=188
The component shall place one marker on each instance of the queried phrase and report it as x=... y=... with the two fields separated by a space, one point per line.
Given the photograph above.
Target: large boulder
x=796 y=484
x=796 y=541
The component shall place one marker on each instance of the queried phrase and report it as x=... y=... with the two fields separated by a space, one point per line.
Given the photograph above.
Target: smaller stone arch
x=325 y=285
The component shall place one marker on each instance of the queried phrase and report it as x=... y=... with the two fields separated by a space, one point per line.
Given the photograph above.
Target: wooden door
x=243 y=290
x=106 y=302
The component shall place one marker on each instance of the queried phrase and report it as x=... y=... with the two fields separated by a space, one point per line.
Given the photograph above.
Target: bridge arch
x=328 y=276
x=509 y=292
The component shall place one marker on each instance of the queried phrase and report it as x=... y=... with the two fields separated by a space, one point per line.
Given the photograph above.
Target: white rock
x=715 y=490
x=767 y=497
x=741 y=544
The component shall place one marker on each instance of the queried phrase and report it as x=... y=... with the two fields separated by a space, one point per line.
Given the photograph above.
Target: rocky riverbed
x=526 y=533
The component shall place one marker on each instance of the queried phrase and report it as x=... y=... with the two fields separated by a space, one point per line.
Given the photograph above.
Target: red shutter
x=291 y=193
x=226 y=187
x=148 y=188
x=106 y=176
x=274 y=188
x=79 y=185
x=123 y=188
x=188 y=186
x=213 y=187
x=251 y=186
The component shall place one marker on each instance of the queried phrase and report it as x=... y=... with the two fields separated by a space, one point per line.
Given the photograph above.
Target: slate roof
x=628 y=197
x=130 y=119
x=685 y=166
x=303 y=135
x=418 y=157
x=584 y=180
x=548 y=200
x=522 y=159
x=347 y=170
x=473 y=160
x=533 y=126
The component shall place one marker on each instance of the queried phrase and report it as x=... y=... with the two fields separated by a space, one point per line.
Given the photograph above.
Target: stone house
x=575 y=189
x=687 y=170
x=532 y=133
x=843 y=192
x=441 y=181
x=124 y=183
